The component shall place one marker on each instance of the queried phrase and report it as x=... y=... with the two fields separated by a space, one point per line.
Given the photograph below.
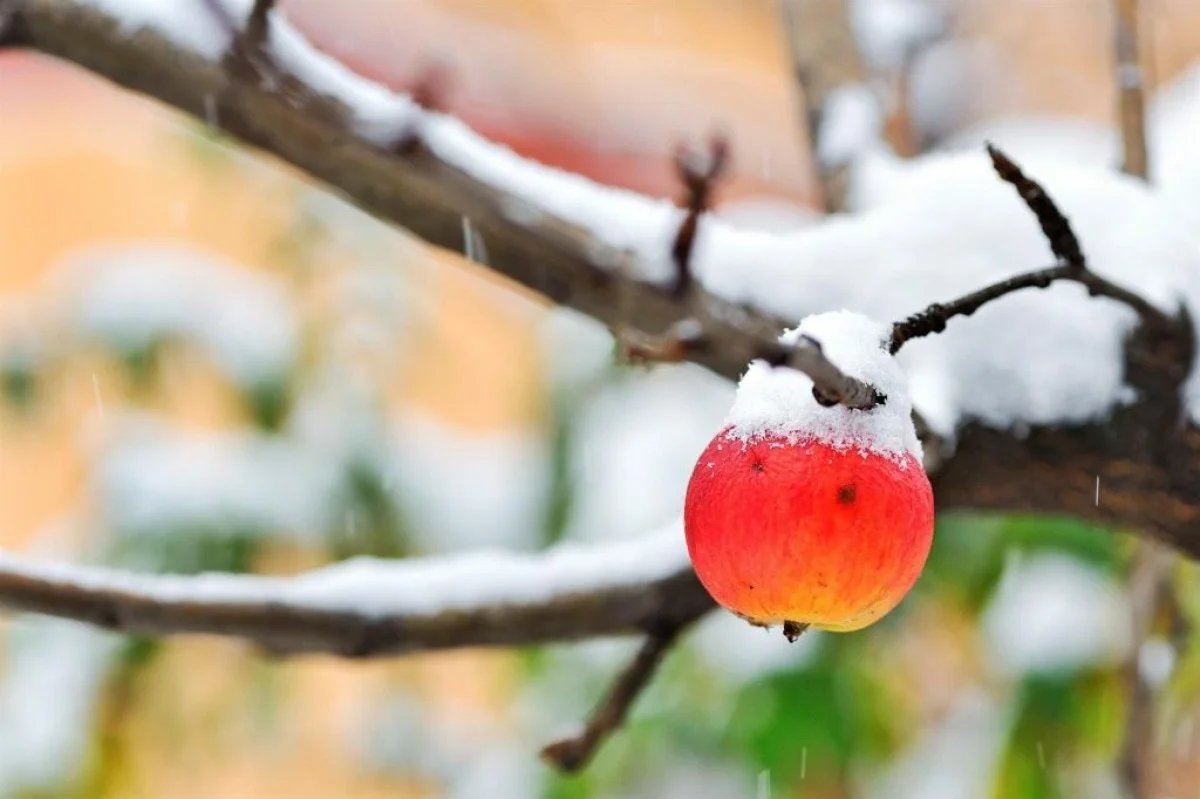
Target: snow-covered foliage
x=153 y=480
x=53 y=674
x=132 y=297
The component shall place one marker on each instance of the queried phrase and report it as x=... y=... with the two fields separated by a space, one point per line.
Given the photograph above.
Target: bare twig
x=831 y=386
x=574 y=753
x=699 y=176
x=1131 y=94
x=1063 y=243
x=248 y=39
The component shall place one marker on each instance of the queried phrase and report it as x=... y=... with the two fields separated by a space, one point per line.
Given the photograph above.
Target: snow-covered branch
x=366 y=608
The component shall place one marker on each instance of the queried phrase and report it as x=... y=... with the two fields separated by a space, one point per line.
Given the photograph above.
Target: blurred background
x=209 y=363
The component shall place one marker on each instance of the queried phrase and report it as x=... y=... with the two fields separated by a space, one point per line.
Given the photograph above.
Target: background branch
x=327 y=611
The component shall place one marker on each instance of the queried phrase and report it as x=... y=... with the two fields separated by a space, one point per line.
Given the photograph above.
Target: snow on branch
x=368 y=608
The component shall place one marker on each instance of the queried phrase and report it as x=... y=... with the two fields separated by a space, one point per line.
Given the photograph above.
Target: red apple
x=798 y=514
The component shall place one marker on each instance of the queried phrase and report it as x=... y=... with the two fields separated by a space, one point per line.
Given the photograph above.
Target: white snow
x=54 y=673
x=851 y=123
x=942 y=225
x=636 y=442
x=188 y=21
x=890 y=31
x=780 y=400
x=415 y=586
x=465 y=489
x=154 y=480
x=1051 y=613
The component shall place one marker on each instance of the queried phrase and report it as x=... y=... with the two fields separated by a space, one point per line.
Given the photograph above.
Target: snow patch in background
x=743 y=652
x=157 y=480
x=953 y=760
x=637 y=441
x=54 y=672
x=469 y=489
x=1053 y=613
x=133 y=295
x=851 y=124
x=888 y=32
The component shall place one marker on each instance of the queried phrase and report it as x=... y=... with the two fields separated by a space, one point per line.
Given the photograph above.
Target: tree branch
x=574 y=753
x=376 y=608
x=1064 y=245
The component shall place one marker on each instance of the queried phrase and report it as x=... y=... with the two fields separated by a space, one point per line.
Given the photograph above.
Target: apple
x=805 y=515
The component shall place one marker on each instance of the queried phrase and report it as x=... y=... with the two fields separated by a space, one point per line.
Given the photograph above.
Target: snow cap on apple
x=801 y=514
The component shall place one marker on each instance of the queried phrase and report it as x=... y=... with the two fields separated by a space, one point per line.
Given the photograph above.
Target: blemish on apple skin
x=847 y=494
x=757 y=466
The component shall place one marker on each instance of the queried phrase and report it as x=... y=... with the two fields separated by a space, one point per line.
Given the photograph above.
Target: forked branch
x=1063 y=244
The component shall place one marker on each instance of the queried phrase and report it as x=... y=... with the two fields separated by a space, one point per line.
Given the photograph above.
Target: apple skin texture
x=783 y=530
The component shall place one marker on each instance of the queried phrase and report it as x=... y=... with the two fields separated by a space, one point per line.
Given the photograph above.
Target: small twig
x=248 y=56
x=699 y=176
x=1055 y=226
x=1063 y=243
x=429 y=92
x=831 y=386
x=1131 y=95
x=247 y=39
x=641 y=349
x=574 y=753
